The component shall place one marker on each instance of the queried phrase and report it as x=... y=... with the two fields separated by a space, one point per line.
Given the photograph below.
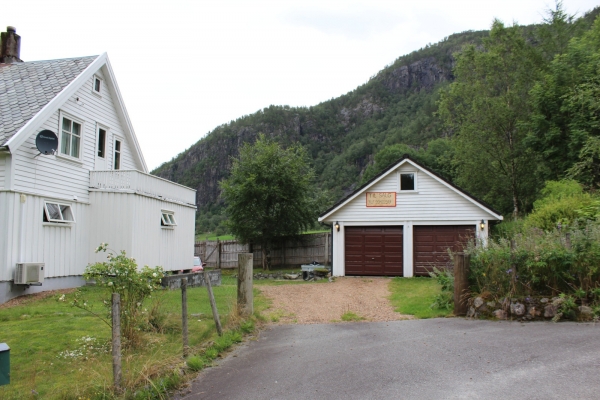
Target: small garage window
x=408 y=181
x=167 y=218
x=58 y=212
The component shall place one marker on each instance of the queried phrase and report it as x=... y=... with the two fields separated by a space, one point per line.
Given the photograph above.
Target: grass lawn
x=212 y=236
x=414 y=296
x=62 y=352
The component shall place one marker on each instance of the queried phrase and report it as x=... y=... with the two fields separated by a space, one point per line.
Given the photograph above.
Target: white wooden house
x=402 y=223
x=56 y=208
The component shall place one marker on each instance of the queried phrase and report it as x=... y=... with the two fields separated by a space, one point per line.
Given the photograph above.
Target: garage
x=375 y=251
x=431 y=244
x=402 y=223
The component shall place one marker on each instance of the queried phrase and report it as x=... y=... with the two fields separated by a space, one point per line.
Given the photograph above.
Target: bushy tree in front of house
x=269 y=194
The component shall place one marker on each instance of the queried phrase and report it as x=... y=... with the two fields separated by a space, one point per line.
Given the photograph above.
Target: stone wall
x=523 y=309
x=195 y=279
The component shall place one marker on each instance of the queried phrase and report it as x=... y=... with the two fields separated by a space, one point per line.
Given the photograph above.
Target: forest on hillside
x=499 y=113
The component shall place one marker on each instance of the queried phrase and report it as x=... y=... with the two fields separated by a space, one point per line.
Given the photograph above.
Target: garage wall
x=433 y=201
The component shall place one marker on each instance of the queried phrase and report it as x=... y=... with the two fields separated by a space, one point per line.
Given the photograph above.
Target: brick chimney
x=10 y=46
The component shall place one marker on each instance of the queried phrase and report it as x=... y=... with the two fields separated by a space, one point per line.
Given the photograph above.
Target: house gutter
x=4 y=149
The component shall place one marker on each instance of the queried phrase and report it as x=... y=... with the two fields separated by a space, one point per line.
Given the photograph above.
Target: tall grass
x=50 y=360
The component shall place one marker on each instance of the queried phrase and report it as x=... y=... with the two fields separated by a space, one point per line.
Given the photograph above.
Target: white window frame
x=416 y=187
x=114 y=153
x=61 y=208
x=101 y=89
x=63 y=115
x=106 y=139
x=167 y=219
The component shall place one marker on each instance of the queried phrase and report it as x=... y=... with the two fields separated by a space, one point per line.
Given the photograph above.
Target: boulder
x=478 y=302
x=517 y=309
x=500 y=314
x=550 y=311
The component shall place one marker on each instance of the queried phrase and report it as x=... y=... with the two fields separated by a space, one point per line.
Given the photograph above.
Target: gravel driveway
x=327 y=302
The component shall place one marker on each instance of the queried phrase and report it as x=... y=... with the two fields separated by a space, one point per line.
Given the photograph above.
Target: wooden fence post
x=213 y=304
x=184 y=316
x=461 y=283
x=245 y=298
x=116 y=339
x=218 y=254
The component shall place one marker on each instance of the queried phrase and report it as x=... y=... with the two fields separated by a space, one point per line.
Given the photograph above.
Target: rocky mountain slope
x=341 y=135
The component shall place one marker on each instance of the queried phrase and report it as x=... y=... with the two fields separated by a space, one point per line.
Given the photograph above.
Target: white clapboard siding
x=433 y=201
x=132 y=222
x=57 y=245
x=57 y=176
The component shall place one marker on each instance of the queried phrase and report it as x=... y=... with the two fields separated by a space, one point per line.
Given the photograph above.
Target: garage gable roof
x=406 y=159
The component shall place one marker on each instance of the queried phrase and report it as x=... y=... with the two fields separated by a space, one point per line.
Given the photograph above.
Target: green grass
x=414 y=296
x=40 y=330
x=212 y=236
x=351 y=316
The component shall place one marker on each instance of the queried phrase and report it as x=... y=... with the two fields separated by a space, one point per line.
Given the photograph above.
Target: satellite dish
x=46 y=142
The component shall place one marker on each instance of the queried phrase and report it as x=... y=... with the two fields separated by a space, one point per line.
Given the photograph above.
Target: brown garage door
x=431 y=244
x=374 y=250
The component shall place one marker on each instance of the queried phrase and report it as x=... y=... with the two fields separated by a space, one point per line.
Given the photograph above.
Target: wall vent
x=29 y=274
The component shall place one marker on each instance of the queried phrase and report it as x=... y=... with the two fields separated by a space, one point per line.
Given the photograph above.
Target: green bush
x=120 y=275
x=562 y=202
x=541 y=263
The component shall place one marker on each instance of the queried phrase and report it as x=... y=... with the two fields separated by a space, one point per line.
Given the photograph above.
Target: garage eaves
x=406 y=158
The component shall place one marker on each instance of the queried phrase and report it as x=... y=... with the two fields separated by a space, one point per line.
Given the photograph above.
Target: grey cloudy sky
x=185 y=67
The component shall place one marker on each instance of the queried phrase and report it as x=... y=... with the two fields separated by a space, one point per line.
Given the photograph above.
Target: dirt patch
x=21 y=300
x=327 y=302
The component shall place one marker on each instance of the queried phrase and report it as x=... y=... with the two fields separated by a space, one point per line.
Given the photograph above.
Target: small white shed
x=402 y=223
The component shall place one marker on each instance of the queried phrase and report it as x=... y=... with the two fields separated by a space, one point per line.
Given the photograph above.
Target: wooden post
x=245 y=299
x=461 y=283
x=326 y=257
x=116 y=339
x=213 y=304
x=283 y=254
x=184 y=316
x=218 y=253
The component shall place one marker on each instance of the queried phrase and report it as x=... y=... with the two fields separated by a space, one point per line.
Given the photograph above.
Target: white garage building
x=402 y=223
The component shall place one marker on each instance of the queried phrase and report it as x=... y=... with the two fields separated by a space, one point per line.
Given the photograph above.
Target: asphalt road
x=420 y=359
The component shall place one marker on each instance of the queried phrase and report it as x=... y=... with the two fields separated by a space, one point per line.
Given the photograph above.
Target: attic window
x=408 y=182
x=97 y=85
x=58 y=212
x=167 y=218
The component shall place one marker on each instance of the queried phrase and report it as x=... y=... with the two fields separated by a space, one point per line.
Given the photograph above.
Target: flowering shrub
x=120 y=274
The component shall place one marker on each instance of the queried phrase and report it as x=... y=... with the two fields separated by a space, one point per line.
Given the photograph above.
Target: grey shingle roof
x=25 y=88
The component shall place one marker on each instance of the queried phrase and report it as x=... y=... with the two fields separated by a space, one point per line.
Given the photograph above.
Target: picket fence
x=293 y=253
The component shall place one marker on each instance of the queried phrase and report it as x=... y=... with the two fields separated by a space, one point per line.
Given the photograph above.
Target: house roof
x=393 y=166
x=30 y=92
x=25 y=88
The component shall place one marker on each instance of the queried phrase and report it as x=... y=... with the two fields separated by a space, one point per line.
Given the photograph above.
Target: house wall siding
x=61 y=177
x=131 y=222
x=57 y=245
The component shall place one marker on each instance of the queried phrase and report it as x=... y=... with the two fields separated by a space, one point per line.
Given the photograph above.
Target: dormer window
x=97 y=85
